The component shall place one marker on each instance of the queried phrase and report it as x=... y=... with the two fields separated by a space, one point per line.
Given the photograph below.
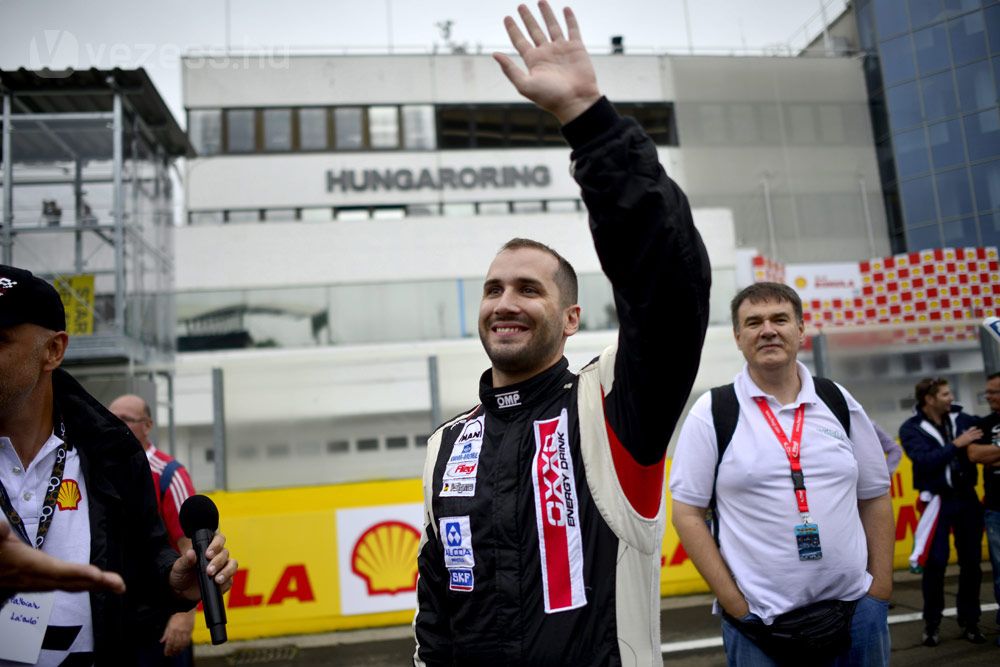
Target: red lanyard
x=792 y=449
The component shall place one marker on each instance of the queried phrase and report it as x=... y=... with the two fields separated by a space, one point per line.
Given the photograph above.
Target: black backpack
x=726 y=412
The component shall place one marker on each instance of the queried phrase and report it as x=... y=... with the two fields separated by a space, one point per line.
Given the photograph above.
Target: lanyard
x=792 y=448
x=48 y=507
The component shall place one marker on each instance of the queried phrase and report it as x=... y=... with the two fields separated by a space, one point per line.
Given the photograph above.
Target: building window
x=313 y=133
x=240 y=131
x=205 y=217
x=348 y=126
x=205 y=130
x=252 y=215
x=454 y=127
x=277 y=129
x=383 y=127
x=397 y=442
x=279 y=450
x=338 y=447
x=367 y=444
x=418 y=127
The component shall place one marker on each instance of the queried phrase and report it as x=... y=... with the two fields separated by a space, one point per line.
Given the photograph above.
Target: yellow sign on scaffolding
x=77 y=294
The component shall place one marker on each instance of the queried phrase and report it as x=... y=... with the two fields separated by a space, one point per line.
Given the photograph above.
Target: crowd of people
x=543 y=504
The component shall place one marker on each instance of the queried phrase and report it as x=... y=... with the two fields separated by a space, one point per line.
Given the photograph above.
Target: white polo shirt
x=68 y=538
x=756 y=501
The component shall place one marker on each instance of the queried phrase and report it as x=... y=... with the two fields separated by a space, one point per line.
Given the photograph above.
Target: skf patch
x=460 y=580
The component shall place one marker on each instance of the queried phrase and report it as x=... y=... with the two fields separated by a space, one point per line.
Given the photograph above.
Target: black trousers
x=963 y=516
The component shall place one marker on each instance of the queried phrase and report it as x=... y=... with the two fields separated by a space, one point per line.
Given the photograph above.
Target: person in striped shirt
x=173 y=486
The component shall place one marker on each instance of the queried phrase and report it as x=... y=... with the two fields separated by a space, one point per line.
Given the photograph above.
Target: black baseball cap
x=27 y=299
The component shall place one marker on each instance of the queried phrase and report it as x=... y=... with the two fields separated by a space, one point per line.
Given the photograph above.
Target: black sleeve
x=659 y=271
x=431 y=626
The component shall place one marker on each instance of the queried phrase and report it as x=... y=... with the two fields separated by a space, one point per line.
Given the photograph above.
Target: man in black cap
x=75 y=483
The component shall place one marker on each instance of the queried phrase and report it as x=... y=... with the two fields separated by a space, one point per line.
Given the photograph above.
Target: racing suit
x=544 y=510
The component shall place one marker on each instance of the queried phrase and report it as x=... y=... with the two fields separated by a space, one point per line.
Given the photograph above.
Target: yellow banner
x=77 y=294
x=340 y=557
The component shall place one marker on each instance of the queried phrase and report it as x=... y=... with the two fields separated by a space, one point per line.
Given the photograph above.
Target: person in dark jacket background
x=936 y=439
x=544 y=511
x=75 y=483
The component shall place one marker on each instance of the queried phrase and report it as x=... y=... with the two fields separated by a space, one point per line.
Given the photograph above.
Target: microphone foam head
x=197 y=513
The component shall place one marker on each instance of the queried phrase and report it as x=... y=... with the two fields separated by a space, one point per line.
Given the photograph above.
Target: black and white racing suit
x=544 y=505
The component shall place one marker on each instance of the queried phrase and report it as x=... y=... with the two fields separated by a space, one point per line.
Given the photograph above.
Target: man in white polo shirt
x=804 y=520
x=75 y=484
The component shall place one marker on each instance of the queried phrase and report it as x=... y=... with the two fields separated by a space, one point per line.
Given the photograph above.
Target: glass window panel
x=389 y=213
x=552 y=131
x=954 y=197
x=277 y=129
x=278 y=450
x=992 y=14
x=946 y=144
x=491 y=127
x=456 y=128
x=982 y=134
x=240 y=130
x=360 y=213
x=347 y=124
x=931 y=46
x=923 y=12
x=831 y=124
x=962 y=5
x=563 y=206
x=421 y=209
x=976 y=89
x=938 y=91
x=960 y=233
x=252 y=215
x=918 y=200
x=865 y=27
x=912 y=158
x=383 y=127
x=524 y=124
x=904 y=106
x=803 y=124
x=279 y=214
x=418 y=127
x=317 y=214
x=655 y=119
x=312 y=129
x=205 y=217
x=396 y=442
x=494 y=208
x=923 y=238
x=205 y=130
x=968 y=38
x=527 y=207
x=890 y=17
x=986 y=183
x=367 y=444
x=458 y=208
x=897 y=60
x=989 y=229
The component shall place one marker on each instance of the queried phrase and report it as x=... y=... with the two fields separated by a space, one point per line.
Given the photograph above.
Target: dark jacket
x=490 y=592
x=935 y=460
x=126 y=533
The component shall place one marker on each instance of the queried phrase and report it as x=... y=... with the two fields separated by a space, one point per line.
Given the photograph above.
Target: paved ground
x=690 y=636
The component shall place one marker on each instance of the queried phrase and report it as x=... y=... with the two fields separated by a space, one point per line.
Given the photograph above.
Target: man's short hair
x=927 y=387
x=759 y=292
x=565 y=276
x=993 y=376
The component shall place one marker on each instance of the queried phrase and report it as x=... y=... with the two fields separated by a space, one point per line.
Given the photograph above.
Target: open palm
x=560 y=76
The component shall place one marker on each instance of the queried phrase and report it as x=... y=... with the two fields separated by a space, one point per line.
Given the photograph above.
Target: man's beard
x=519 y=359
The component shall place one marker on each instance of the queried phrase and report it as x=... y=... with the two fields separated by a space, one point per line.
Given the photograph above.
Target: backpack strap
x=167 y=476
x=725 y=414
x=830 y=394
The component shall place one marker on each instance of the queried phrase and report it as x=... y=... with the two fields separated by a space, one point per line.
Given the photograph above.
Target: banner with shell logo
x=377 y=555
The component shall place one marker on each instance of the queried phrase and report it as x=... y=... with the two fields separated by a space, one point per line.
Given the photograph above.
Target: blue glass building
x=932 y=68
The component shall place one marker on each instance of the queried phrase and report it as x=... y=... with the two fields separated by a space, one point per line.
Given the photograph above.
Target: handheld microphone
x=200 y=519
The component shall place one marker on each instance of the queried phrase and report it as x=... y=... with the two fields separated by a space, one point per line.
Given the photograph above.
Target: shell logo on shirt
x=69 y=495
x=385 y=556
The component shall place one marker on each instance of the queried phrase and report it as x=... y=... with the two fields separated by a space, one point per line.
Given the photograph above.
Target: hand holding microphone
x=205 y=572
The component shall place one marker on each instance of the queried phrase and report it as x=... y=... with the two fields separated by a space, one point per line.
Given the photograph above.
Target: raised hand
x=560 y=76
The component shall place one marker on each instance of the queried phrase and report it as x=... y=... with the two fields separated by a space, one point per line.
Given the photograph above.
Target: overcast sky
x=108 y=33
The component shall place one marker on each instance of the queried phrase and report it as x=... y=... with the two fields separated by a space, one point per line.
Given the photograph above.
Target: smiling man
x=544 y=504
x=801 y=556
